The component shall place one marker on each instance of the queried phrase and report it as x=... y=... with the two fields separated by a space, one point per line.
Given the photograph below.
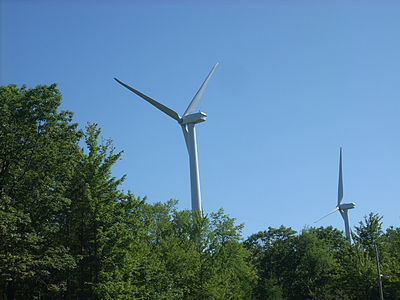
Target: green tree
x=122 y=253
x=357 y=276
x=228 y=273
x=302 y=266
x=369 y=233
x=193 y=257
x=271 y=254
x=390 y=263
x=38 y=151
x=316 y=268
x=92 y=219
x=333 y=238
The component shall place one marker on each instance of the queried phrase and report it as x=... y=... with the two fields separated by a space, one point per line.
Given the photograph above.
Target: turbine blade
x=329 y=213
x=340 y=184
x=153 y=102
x=199 y=93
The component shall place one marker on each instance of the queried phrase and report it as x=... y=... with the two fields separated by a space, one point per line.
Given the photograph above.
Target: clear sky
x=296 y=81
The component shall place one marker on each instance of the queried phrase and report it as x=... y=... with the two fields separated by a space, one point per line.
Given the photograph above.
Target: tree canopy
x=68 y=230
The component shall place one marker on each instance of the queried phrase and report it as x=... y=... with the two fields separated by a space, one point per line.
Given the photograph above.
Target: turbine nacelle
x=193 y=118
x=346 y=206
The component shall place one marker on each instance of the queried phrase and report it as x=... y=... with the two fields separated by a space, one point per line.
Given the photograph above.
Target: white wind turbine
x=342 y=207
x=187 y=122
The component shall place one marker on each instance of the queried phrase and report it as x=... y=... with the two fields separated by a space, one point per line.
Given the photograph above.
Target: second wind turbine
x=343 y=208
x=187 y=122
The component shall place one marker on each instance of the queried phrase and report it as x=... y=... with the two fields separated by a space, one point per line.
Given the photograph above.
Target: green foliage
x=390 y=263
x=67 y=231
x=37 y=155
x=369 y=232
x=294 y=266
x=357 y=274
x=91 y=219
x=319 y=263
x=185 y=256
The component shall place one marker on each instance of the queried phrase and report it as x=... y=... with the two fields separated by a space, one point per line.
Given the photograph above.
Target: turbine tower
x=187 y=122
x=342 y=207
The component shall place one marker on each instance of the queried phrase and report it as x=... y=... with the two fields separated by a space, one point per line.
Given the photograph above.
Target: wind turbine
x=187 y=121
x=342 y=207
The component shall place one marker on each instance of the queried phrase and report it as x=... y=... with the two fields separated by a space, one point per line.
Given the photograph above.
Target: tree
x=369 y=233
x=302 y=266
x=316 y=268
x=333 y=238
x=271 y=255
x=38 y=151
x=228 y=273
x=357 y=276
x=390 y=262
x=188 y=256
x=359 y=269
x=92 y=218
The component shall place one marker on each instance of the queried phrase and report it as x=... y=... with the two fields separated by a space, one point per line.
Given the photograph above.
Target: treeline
x=68 y=231
x=319 y=263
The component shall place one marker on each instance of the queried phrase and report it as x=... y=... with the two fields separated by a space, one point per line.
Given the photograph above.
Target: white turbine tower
x=342 y=207
x=187 y=122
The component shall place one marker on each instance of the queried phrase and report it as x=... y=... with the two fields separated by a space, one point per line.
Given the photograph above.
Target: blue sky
x=296 y=81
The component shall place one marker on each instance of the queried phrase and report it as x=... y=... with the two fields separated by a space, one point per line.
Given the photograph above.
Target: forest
x=68 y=231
